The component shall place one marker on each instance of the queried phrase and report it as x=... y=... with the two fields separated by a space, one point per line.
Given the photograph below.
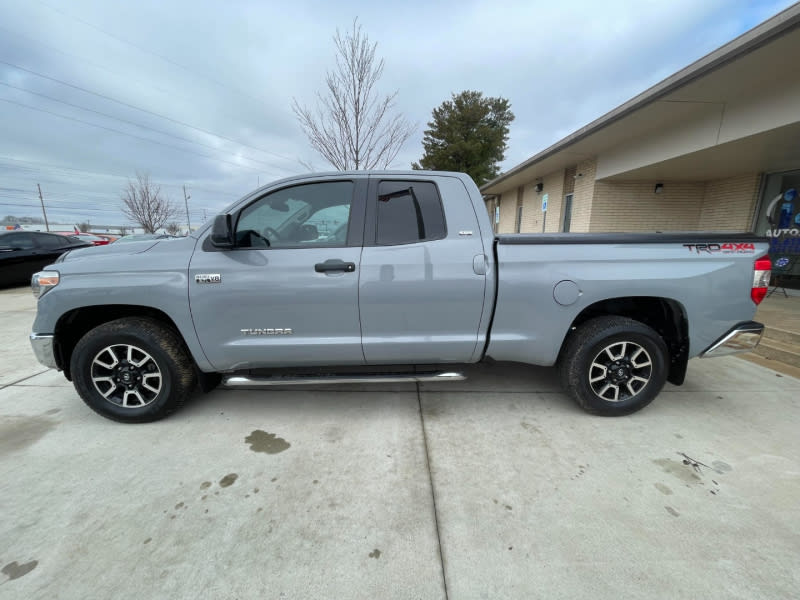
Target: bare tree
x=352 y=127
x=173 y=228
x=143 y=203
x=84 y=227
x=123 y=230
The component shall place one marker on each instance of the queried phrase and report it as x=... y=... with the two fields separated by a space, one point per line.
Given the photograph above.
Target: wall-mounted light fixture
x=578 y=175
x=659 y=188
x=539 y=187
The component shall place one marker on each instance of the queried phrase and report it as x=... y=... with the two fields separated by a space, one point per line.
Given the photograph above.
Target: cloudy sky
x=198 y=93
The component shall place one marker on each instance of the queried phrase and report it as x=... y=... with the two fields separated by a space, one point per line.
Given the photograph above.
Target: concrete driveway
x=496 y=487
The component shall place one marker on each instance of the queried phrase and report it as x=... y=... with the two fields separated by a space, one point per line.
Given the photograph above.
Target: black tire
x=613 y=366
x=143 y=352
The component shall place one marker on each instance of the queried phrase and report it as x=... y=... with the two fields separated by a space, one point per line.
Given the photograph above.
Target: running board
x=245 y=381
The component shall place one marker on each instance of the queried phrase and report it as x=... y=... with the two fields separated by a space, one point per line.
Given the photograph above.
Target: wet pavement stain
x=14 y=570
x=663 y=489
x=148 y=540
x=53 y=411
x=672 y=511
x=179 y=505
x=18 y=432
x=261 y=441
x=205 y=485
x=228 y=480
x=375 y=553
x=678 y=470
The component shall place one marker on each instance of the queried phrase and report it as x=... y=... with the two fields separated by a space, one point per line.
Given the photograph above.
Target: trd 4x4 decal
x=727 y=248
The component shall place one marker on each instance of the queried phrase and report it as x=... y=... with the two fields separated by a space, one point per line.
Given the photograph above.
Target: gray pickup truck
x=389 y=276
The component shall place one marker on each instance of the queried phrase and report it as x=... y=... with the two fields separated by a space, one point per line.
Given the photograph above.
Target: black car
x=23 y=253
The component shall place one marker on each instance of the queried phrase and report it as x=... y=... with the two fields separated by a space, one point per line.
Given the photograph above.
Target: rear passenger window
x=409 y=212
x=51 y=241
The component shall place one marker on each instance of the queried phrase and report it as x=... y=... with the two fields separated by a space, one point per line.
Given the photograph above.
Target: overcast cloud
x=224 y=75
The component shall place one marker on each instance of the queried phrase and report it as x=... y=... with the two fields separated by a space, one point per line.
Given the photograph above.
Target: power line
x=93 y=64
x=144 y=110
x=85 y=173
x=238 y=92
x=138 y=137
x=102 y=114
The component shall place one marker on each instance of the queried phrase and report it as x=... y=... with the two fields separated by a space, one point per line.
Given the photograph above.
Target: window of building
x=409 y=212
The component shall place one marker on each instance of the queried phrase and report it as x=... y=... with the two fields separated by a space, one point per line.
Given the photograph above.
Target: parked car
x=22 y=253
x=418 y=278
x=138 y=237
x=95 y=240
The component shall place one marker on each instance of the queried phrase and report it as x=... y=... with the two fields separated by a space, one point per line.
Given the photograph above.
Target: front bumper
x=42 y=345
x=742 y=338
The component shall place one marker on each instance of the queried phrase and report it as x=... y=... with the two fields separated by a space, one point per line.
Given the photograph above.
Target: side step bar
x=245 y=381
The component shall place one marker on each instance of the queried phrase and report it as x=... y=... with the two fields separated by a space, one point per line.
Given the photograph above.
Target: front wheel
x=132 y=370
x=613 y=366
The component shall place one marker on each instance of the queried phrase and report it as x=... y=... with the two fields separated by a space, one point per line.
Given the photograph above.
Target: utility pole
x=46 y=225
x=186 y=201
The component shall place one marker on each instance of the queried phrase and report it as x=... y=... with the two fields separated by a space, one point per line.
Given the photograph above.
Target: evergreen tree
x=469 y=134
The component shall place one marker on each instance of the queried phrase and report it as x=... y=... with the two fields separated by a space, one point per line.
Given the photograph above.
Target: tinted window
x=50 y=241
x=314 y=214
x=18 y=240
x=408 y=212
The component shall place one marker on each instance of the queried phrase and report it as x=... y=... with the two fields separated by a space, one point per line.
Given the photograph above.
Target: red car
x=86 y=237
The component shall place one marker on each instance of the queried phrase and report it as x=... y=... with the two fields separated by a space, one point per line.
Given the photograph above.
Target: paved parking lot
x=495 y=487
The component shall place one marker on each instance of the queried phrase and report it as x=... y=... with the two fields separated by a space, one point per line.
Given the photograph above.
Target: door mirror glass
x=222 y=232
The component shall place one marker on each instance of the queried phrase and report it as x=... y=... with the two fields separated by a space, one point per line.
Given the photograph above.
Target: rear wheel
x=613 y=366
x=132 y=370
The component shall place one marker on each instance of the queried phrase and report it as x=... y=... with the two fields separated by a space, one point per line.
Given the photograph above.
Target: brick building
x=709 y=148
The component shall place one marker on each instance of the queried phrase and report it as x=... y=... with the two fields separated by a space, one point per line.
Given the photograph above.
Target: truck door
x=421 y=285
x=287 y=293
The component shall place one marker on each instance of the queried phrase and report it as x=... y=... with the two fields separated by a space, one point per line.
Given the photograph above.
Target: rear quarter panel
x=530 y=326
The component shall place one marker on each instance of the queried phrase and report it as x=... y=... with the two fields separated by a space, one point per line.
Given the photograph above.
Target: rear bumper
x=42 y=345
x=742 y=338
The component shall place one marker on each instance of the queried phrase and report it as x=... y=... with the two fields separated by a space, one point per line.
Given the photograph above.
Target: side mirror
x=222 y=232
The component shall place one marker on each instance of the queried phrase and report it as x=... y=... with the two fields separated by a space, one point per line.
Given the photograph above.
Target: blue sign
x=544 y=203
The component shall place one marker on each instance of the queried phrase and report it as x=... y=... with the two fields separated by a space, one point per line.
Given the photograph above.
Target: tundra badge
x=270 y=331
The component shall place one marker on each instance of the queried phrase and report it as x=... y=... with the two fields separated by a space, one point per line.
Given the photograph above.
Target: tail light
x=761 y=272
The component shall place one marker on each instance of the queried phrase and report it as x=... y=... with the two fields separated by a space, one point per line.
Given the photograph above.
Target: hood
x=98 y=251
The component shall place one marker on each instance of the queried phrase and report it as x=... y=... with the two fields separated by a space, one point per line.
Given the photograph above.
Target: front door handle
x=334 y=264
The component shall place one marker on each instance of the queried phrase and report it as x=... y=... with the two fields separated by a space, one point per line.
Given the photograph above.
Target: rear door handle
x=334 y=264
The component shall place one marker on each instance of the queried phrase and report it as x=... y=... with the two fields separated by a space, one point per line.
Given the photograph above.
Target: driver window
x=314 y=214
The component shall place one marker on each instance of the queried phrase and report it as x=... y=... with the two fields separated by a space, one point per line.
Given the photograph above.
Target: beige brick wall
x=508 y=211
x=729 y=204
x=531 y=209
x=633 y=206
x=583 y=196
x=553 y=186
x=598 y=206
